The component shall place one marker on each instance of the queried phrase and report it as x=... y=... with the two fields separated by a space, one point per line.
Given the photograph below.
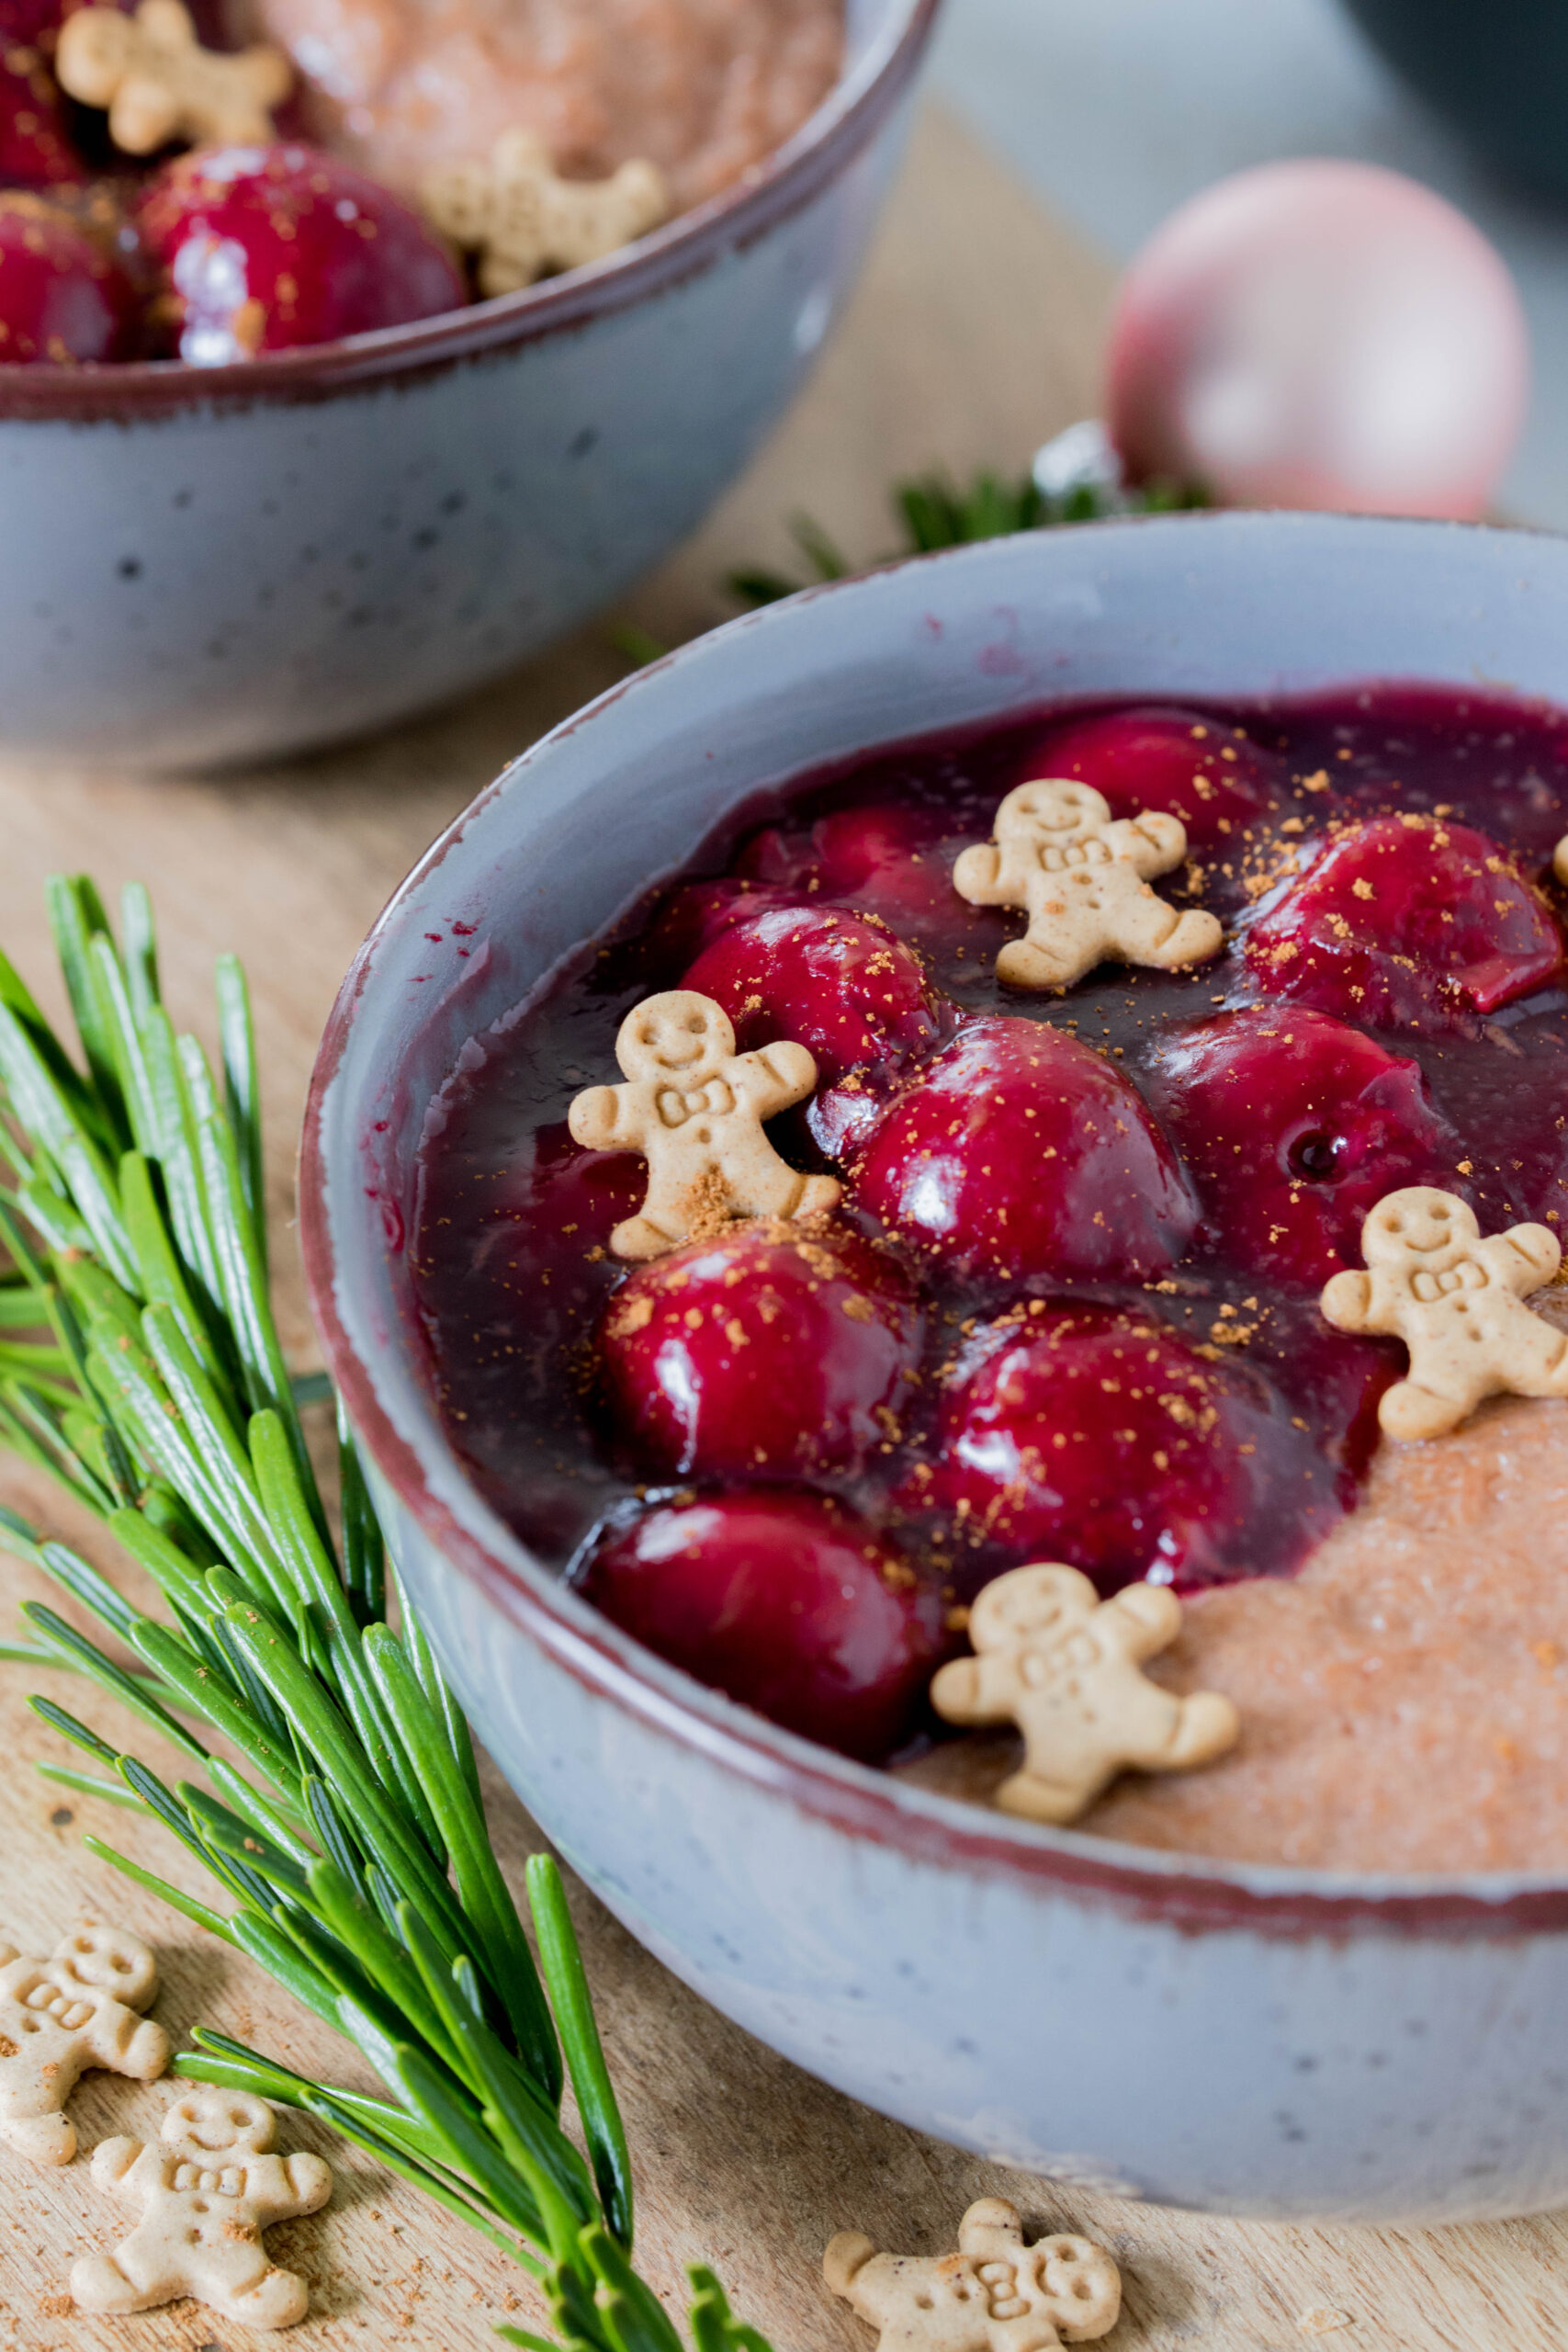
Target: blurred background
x=1117 y=110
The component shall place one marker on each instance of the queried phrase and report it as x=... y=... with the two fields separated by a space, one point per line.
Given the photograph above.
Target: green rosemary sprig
x=934 y=512
x=347 y=1847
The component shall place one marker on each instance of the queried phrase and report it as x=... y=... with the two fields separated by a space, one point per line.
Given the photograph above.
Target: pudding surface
x=702 y=88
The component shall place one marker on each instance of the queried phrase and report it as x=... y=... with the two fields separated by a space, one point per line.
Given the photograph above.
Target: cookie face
x=681 y=1034
x=1197 y=1101
x=58 y=2017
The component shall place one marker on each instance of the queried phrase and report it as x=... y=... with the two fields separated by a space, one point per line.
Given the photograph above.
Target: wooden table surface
x=974 y=336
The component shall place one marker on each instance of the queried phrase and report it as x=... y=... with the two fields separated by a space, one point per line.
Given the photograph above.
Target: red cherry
x=885 y=859
x=787 y=1602
x=837 y=983
x=767 y=1352
x=1406 y=922
x=1296 y=1126
x=1211 y=775
x=62 y=298
x=35 y=146
x=266 y=248
x=1017 y=1151
x=696 y=913
x=1082 y=1434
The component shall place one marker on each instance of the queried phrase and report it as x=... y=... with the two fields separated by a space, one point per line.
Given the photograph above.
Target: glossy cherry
x=769 y=1351
x=35 y=144
x=885 y=859
x=1295 y=1126
x=1098 y=1437
x=1017 y=1151
x=840 y=984
x=1406 y=922
x=787 y=1602
x=1209 y=774
x=63 y=296
x=694 y=914
x=264 y=249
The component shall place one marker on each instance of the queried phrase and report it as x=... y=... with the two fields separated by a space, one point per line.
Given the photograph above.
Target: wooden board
x=974 y=336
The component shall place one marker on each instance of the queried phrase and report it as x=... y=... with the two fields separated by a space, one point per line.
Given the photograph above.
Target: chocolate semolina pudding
x=704 y=88
x=1403 y=1697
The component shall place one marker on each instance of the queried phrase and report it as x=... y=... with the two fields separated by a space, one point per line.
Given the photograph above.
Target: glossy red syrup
x=1068 y=1306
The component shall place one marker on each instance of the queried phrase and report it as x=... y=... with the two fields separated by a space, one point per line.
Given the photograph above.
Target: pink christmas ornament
x=1321 y=334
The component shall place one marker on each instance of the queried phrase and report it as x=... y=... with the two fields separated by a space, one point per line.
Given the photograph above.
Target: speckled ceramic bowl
x=213 y=565
x=1274 y=2041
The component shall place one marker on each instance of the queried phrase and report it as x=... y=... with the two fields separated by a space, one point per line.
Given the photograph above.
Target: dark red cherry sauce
x=1068 y=1306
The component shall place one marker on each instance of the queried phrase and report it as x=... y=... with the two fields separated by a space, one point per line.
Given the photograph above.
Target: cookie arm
x=1152 y=844
x=127 y=2043
x=977 y=876
x=112 y=2162
x=310 y=2181
x=606 y=1118
x=977 y=1689
x=773 y=1078
x=1525 y=1257
x=1347 y=1302
x=1148 y=1617
x=868 y=2280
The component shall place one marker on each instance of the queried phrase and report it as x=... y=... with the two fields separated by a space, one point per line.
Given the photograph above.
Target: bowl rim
x=781 y=184
x=1191 y=1892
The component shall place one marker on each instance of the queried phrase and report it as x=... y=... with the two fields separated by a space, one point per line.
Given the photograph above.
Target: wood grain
x=974 y=336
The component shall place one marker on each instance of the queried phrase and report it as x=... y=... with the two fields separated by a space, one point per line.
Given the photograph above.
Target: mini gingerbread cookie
x=59 y=2015
x=208 y=2189
x=1083 y=883
x=1065 y=1665
x=1458 y=1304
x=1560 y=860
x=159 y=84
x=521 y=219
x=995 y=2294
x=694 y=1108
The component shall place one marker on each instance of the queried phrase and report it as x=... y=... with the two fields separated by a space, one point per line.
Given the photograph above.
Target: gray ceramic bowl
x=1275 y=2042
x=206 y=566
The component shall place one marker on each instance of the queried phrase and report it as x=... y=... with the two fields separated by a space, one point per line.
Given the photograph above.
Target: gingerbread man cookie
x=208 y=2189
x=521 y=219
x=694 y=1108
x=1083 y=882
x=159 y=84
x=59 y=2015
x=1458 y=1304
x=995 y=2294
x=1066 y=1667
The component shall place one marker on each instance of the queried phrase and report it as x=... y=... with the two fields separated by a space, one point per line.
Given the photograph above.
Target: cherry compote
x=1067 y=1308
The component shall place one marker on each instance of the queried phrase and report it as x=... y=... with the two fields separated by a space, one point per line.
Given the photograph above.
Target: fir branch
x=934 y=512
x=139 y=1365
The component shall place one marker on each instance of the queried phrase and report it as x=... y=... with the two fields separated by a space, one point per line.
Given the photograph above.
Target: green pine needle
x=139 y=1365
x=935 y=512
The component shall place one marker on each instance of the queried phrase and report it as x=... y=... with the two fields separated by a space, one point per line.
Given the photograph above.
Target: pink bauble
x=1320 y=335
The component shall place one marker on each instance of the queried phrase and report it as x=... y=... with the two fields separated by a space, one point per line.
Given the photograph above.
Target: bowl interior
x=572 y=833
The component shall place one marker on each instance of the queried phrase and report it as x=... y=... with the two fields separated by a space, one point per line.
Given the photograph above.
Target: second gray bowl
x=205 y=566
